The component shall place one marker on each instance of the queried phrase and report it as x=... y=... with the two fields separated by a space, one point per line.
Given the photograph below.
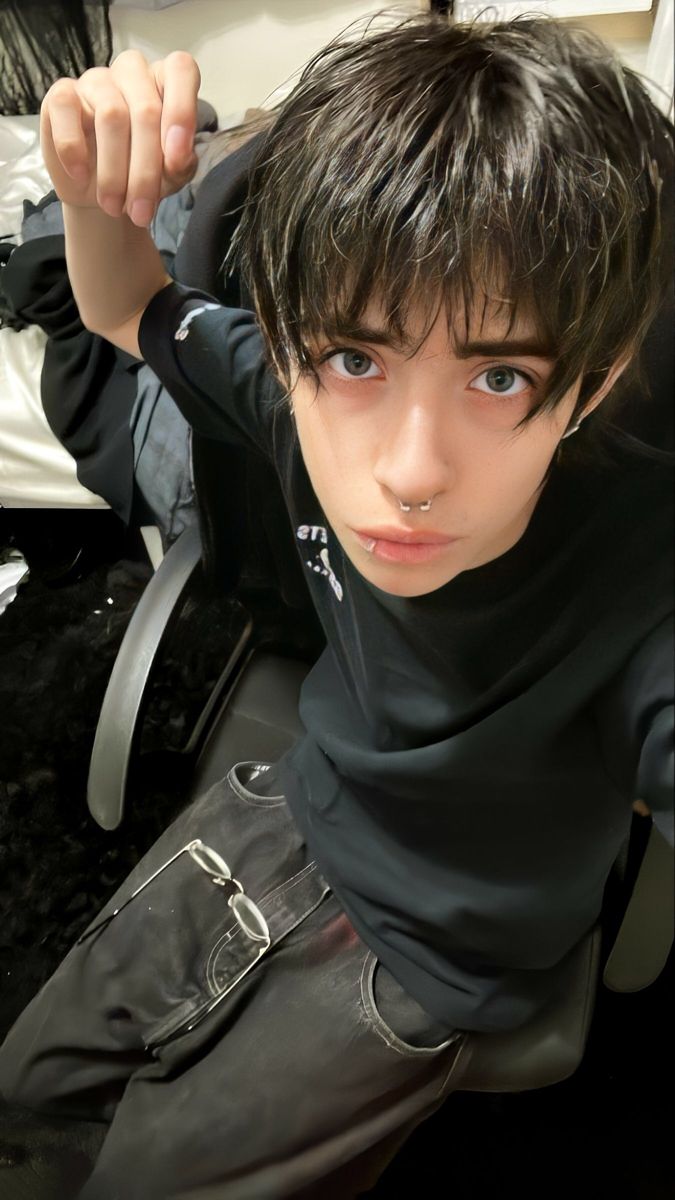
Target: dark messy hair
x=433 y=164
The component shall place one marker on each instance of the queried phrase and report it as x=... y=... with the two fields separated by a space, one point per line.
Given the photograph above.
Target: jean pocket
x=396 y=1017
x=248 y=782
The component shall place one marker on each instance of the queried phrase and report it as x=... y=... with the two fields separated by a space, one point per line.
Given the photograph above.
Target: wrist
x=114 y=266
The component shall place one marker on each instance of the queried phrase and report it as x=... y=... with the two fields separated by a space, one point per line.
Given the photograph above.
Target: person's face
x=385 y=427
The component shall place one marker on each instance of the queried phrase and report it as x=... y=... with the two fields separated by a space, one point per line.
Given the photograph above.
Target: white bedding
x=35 y=469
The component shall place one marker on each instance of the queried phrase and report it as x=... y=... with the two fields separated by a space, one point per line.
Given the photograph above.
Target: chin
x=407 y=585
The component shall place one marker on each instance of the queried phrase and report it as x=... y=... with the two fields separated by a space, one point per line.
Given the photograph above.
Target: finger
x=112 y=128
x=61 y=131
x=137 y=83
x=178 y=81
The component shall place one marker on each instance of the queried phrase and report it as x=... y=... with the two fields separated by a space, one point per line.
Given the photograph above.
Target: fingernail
x=142 y=212
x=176 y=141
x=112 y=205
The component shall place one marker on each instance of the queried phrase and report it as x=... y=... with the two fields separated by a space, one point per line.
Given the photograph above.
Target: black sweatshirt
x=471 y=756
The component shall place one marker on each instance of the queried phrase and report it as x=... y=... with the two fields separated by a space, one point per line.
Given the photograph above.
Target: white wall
x=248 y=48
x=628 y=32
x=244 y=48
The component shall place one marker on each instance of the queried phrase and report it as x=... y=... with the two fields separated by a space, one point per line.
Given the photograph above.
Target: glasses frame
x=247 y=914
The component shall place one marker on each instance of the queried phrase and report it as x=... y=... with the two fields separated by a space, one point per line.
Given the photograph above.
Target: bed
x=36 y=471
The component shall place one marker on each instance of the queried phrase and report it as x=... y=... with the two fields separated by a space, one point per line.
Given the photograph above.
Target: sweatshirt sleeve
x=637 y=726
x=211 y=361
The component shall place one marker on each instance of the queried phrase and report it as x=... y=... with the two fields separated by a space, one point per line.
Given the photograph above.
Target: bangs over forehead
x=436 y=164
x=404 y=318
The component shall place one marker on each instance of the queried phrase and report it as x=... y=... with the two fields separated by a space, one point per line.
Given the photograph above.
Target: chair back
x=245 y=532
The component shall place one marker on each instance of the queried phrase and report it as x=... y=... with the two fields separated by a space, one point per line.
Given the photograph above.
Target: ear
x=611 y=377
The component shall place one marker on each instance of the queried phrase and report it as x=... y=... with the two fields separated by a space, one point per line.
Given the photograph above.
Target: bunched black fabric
x=88 y=386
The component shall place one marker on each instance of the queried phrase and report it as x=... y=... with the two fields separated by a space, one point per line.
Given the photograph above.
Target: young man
x=455 y=245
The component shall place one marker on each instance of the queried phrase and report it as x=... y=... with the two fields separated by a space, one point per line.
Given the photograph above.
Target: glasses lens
x=208 y=860
x=250 y=918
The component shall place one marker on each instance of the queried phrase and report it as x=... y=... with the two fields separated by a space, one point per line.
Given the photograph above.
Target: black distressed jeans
x=230 y=1063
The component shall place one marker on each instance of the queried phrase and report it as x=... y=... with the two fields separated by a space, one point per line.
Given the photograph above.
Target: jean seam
x=462 y=1049
x=250 y=797
x=279 y=890
x=377 y=1023
x=308 y=869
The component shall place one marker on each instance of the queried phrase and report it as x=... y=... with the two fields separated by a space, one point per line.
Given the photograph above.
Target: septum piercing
x=424 y=507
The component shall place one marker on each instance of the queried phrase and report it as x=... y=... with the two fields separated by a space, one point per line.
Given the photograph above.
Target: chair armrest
x=645 y=937
x=550 y=1048
x=124 y=695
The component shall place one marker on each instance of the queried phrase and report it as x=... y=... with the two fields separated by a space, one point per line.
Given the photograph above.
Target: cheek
x=334 y=451
x=321 y=463
x=535 y=448
x=506 y=482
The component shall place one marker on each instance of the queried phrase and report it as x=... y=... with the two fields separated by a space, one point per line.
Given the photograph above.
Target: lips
x=406 y=547
x=405 y=537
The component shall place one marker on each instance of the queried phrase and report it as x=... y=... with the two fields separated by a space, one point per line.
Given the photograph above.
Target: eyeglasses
x=248 y=915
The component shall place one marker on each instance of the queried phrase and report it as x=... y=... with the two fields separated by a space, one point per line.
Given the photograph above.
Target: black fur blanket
x=57 y=649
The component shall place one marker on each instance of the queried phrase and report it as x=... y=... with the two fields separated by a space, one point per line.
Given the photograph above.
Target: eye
x=502 y=380
x=352 y=364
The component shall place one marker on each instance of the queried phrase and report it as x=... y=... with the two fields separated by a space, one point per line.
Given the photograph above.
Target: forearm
x=114 y=267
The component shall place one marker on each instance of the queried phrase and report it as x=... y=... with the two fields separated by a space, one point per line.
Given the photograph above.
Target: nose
x=412 y=464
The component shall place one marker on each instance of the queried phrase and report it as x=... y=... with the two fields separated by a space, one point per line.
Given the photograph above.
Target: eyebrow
x=519 y=347
x=523 y=347
x=367 y=333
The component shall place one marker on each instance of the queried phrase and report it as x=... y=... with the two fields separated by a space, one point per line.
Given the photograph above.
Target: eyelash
x=335 y=350
x=332 y=353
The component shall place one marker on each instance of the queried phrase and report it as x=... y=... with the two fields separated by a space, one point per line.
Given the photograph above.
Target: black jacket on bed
x=88 y=386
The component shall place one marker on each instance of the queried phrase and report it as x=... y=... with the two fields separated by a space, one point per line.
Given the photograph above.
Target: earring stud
x=571 y=431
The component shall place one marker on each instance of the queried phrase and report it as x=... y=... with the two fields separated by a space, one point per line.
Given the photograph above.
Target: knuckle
x=148 y=111
x=96 y=75
x=112 y=114
x=70 y=151
x=130 y=56
x=180 y=58
x=62 y=91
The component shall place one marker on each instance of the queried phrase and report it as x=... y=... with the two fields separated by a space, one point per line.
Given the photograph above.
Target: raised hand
x=120 y=138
